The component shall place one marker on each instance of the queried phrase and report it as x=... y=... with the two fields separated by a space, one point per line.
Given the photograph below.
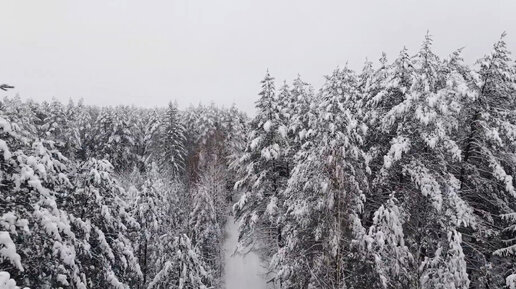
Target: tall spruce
x=486 y=176
x=263 y=174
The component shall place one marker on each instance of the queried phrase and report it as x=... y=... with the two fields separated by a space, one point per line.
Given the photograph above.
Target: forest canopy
x=400 y=175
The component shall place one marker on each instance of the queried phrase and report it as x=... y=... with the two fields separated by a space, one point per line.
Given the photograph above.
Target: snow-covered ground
x=241 y=272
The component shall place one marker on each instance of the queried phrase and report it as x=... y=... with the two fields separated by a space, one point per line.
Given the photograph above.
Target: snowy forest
x=399 y=175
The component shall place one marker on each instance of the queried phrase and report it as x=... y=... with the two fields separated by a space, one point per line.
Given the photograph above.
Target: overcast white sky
x=147 y=53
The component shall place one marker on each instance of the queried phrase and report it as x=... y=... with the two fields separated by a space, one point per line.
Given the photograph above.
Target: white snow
x=241 y=272
x=5 y=149
x=511 y=281
x=399 y=145
x=5 y=125
x=62 y=279
x=8 y=250
x=267 y=126
x=6 y=282
x=282 y=130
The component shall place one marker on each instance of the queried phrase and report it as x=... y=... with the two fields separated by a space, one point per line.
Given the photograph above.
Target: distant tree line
x=114 y=197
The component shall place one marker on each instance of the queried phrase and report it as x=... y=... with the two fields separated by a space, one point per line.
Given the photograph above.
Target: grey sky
x=147 y=53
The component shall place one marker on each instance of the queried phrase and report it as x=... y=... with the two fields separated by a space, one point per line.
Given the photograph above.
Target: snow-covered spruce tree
x=124 y=158
x=172 y=260
x=386 y=243
x=102 y=143
x=172 y=141
x=210 y=133
x=324 y=196
x=85 y=118
x=167 y=256
x=21 y=114
x=100 y=218
x=263 y=174
x=301 y=114
x=37 y=245
x=236 y=136
x=52 y=120
x=294 y=115
x=205 y=136
x=114 y=138
x=417 y=172
x=148 y=138
x=185 y=268
x=208 y=216
x=385 y=89
x=285 y=105
x=297 y=110
x=203 y=121
x=447 y=268
x=39 y=112
x=149 y=208
x=60 y=125
x=71 y=141
x=144 y=127
x=509 y=250
x=487 y=173
x=382 y=89
x=195 y=128
x=236 y=124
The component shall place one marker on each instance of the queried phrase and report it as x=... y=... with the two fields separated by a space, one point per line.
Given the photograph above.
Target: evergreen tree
x=386 y=244
x=172 y=141
x=102 y=220
x=149 y=211
x=185 y=269
x=488 y=165
x=302 y=113
x=207 y=218
x=324 y=196
x=262 y=174
x=37 y=244
x=399 y=176
x=416 y=169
